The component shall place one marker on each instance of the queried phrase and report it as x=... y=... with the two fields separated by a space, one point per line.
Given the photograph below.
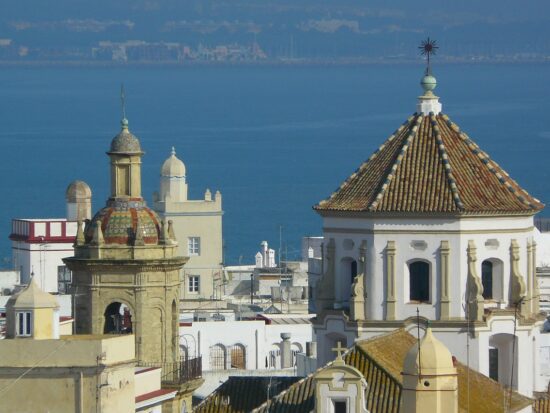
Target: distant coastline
x=274 y=62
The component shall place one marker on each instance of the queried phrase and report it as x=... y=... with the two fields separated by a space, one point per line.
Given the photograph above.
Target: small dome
x=125 y=141
x=119 y=223
x=435 y=357
x=78 y=190
x=32 y=296
x=173 y=166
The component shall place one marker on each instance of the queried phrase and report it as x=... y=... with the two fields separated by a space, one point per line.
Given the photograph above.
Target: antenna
x=123 y=101
x=428 y=48
x=418 y=336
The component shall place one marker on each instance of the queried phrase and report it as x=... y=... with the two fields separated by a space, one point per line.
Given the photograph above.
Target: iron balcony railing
x=179 y=372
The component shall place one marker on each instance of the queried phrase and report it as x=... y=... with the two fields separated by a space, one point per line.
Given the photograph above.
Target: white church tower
x=173 y=185
x=197 y=225
x=431 y=222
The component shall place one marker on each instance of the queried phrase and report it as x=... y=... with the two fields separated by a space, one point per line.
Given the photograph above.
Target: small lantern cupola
x=430 y=382
x=173 y=183
x=32 y=313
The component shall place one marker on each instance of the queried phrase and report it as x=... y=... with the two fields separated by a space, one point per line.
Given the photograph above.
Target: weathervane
x=428 y=48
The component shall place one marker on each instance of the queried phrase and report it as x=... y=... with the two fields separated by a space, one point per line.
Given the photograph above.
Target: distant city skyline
x=163 y=30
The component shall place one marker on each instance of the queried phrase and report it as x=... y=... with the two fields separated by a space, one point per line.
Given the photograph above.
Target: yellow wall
x=72 y=374
x=42 y=323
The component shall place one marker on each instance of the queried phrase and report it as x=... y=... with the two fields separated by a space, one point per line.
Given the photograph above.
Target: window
x=340 y=406
x=419 y=280
x=194 y=246
x=238 y=357
x=63 y=279
x=194 y=283
x=487 y=279
x=218 y=357
x=24 y=323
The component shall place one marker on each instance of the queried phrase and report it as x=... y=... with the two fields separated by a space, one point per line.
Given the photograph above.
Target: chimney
x=311 y=349
x=286 y=352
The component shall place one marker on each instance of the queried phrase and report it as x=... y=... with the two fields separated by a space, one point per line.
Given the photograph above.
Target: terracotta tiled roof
x=430 y=166
x=380 y=360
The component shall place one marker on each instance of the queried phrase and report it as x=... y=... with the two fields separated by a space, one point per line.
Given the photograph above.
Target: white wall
x=43 y=259
x=257 y=337
x=352 y=231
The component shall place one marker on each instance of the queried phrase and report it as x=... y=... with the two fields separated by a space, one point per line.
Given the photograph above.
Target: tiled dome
x=119 y=223
x=125 y=141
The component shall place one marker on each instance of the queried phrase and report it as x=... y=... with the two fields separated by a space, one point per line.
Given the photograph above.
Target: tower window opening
x=118 y=319
x=419 y=282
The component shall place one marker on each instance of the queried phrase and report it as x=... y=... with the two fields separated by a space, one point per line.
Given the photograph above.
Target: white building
x=430 y=223
x=197 y=226
x=245 y=345
x=265 y=258
x=39 y=245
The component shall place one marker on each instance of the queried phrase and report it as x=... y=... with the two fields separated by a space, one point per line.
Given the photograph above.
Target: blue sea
x=274 y=140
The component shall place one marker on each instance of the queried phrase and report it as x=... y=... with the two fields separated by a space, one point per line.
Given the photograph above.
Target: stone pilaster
x=518 y=296
x=390 y=281
x=535 y=291
x=444 y=302
x=474 y=288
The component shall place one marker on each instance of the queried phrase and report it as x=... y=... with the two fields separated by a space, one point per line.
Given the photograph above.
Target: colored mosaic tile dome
x=119 y=223
x=125 y=141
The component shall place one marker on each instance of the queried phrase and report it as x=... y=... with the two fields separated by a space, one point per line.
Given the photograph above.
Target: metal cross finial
x=123 y=101
x=428 y=48
x=339 y=350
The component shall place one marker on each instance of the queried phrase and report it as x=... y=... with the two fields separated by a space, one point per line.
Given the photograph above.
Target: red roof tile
x=429 y=166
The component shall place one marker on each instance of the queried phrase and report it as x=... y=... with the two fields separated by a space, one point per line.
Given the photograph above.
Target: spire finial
x=124 y=121
x=427 y=48
x=173 y=151
x=428 y=102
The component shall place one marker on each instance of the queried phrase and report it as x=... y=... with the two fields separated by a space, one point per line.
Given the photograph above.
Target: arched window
x=492 y=274
x=487 y=279
x=419 y=281
x=218 y=357
x=238 y=357
x=118 y=319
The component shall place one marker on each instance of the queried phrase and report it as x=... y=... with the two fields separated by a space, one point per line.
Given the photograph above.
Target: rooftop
x=430 y=166
x=380 y=360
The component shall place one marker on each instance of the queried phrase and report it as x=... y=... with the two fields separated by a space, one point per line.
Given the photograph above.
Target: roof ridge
x=397 y=162
x=364 y=163
x=445 y=161
x=492 y=166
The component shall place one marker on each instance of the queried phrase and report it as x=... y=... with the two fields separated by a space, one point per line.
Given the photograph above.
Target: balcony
x=179 y=372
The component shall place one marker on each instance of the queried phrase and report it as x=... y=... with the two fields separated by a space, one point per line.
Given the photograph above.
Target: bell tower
x=126 y=273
